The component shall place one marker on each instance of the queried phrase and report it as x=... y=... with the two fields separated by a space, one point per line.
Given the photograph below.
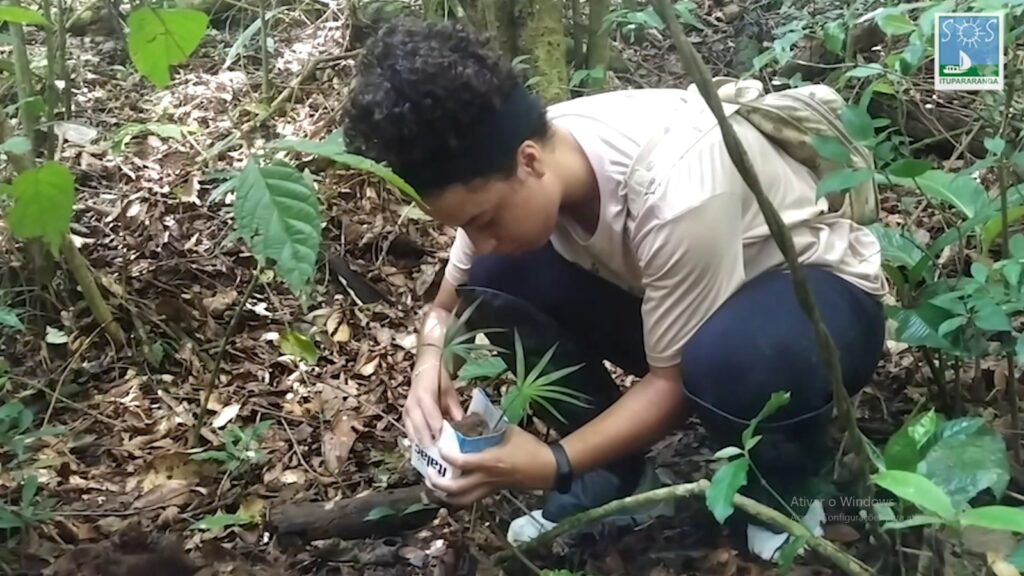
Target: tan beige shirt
x=678 y=226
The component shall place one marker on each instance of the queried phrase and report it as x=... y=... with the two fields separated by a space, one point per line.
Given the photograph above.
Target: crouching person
x=616 y=226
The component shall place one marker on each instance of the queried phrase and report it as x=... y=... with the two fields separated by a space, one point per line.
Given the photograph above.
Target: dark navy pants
x=758 y=342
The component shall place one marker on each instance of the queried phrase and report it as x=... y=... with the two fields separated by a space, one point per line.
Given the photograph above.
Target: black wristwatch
x=563 y=469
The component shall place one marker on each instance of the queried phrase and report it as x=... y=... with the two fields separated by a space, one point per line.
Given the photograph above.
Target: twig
x=841 y=559
x=201 y=419
x=67 y=368
x=298 y=452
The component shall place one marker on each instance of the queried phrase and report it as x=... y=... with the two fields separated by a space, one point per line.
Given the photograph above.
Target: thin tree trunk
x=83 y=275
x=597 y=42
x=543 y=38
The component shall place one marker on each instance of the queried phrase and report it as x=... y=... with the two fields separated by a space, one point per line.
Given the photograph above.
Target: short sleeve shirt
x=678 y=226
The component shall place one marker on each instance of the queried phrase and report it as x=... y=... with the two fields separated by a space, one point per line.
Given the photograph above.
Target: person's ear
x=530 y=159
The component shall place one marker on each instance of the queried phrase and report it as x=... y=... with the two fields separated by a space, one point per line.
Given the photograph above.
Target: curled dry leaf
x=172 y=492
x=370 y=367
x=227 y=414
x=217 y=304
x=338 y=442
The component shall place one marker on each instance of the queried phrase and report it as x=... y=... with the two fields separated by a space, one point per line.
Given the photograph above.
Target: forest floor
x=150 y=222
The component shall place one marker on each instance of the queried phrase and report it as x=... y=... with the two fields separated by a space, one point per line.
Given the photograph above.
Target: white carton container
x=425 y=458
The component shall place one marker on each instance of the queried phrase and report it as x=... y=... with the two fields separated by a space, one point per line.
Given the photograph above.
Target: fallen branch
x=347 y=518
x=841 y=559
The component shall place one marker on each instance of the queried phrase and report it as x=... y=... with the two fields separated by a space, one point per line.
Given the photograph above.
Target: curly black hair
x=422 y=88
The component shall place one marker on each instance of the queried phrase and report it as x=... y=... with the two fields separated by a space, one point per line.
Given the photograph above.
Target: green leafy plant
x=532 y=385
x=241 y=448
x=159 y=38
x=30 y=509
x=16 y=429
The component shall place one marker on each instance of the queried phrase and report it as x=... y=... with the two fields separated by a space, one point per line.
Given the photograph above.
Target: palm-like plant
x=534 y=387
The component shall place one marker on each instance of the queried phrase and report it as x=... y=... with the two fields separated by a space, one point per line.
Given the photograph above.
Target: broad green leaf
x=903 y=449
x=488 y=367
x=919 y=326
x=333 y=147
x=913 y=55
x=834 y=37
x=724 y=485
x=775 y=401
x=865 y=71
x=787 y=554
x=9 y=318
x=994 y=228
x=842 y=179
x=159 y=38
x=963 y=466
x=728 y=452
x=913 y=522
x=961 y=192
x=995 y=518
x=916 y=489
x=300 y=346
x=1012 y=272
x=979 y=272
x=278 y=216
x=1017 y=245
x=989 y=316
x=16 y=145
x=1017 y=557
x=858 y=123
x=895 y=24
x=897 y=247
x=831 y=148
x=43 y=201
x=909 y=168
x=22 y=15
x=379 y=512
x=951 y=324
x=995 y=145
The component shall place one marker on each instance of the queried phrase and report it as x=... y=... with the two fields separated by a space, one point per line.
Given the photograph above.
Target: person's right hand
x=424 y=411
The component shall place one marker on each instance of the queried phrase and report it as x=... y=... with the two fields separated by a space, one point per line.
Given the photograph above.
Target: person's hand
x=520 y=462
x=424 y=411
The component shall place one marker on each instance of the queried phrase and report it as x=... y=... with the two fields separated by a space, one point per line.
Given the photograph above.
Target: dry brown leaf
x=172 y=492
x=294 y=476
x=217 y=304
x=227 y=414
x=338 y=442
x=252 y=507
x=841 y=533
x=163 y=468
x=370 y=367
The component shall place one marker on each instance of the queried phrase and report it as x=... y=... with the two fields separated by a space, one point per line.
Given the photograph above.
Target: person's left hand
x=521 y=462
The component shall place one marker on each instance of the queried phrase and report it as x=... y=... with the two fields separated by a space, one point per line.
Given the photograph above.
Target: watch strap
x=563 y=469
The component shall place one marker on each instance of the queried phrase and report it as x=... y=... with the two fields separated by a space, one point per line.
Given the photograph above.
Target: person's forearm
x=648 y=411
x=436 y=319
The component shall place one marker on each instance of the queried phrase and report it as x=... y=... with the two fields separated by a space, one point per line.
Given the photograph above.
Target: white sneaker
x=529 y=526
x=766 y=544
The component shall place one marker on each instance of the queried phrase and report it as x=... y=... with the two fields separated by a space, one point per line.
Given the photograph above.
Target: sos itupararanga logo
x=969 y=51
